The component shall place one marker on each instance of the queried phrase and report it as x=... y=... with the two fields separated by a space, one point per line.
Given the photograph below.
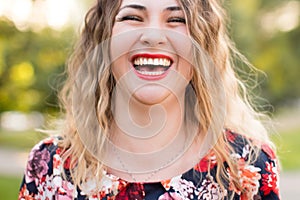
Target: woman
x=154 y=111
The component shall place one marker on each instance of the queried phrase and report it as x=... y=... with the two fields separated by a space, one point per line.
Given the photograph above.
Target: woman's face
x=149 y=39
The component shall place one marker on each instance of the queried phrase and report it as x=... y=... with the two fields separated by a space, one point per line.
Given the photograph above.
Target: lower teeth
x=151 y=73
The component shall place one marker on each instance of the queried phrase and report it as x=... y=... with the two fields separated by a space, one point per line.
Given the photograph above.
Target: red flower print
x=58 y=151
x=131 y=191
x=24 y=194
x=249 y=177
x=122 y=184
x=230 y=136
x=267 y=149
x=67 y=163
x=48 y=141
x=166 y=184
x=209 y=161
x=66 y=191
x=56 y=162
x=270 y=181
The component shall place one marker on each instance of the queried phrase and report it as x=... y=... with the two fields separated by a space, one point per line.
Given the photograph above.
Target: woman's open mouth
x=151 y=66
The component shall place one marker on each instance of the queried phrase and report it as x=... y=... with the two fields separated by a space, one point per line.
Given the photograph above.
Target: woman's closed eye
x=130 y=18
x=176 y=20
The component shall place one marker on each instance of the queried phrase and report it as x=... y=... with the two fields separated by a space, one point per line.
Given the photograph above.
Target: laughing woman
x=154 y=110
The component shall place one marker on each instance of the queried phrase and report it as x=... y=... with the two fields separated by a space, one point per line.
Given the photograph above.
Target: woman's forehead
x=155 y=3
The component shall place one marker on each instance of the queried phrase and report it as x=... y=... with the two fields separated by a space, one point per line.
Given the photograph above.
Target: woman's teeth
x=151 y=73
x=150 y=61
x=151 y=66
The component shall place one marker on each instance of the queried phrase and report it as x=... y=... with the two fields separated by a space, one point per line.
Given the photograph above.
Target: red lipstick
x=151 y=66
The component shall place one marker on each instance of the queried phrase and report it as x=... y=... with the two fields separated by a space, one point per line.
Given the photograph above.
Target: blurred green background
x=37 y=36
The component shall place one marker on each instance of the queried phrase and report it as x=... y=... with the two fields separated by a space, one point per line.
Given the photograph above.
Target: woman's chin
x=151 y=94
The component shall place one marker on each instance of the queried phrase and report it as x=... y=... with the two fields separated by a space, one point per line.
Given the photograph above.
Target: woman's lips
x=151 y=66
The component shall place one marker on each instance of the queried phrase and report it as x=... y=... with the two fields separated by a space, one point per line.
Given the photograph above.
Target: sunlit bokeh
x=58 y=16
x=284 y=18
x=20 y=12
x=38 y=14
x=19 y=121
x=22 y=74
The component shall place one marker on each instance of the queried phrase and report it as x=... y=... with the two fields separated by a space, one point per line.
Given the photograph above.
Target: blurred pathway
x=12 y=163
x=288 y=119
x=290 y=185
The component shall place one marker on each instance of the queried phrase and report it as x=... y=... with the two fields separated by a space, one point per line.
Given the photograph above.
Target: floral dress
x=43 y=178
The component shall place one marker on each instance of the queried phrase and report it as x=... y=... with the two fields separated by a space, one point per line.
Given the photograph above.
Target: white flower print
x=210 y=190
x=185 y=189
x=46 y=189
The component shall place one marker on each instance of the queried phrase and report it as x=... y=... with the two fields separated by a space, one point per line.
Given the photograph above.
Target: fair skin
x=149 y=40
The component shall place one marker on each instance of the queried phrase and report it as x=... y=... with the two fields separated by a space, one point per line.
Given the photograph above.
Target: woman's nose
x=153 y=37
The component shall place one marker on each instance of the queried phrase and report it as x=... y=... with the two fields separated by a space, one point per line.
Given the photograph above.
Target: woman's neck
x=148 y=127
x=138 y=154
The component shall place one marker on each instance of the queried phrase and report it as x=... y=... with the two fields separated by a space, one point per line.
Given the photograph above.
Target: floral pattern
x=210 y=190
x=37 y=165
x=270 y=180
x=43 y=179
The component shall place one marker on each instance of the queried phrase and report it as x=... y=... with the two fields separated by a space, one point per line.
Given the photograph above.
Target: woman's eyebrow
x=173 y=8
x=134 y=6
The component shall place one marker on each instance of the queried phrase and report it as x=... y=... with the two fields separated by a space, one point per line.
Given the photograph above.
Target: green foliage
x=287 y=143
x=9 y=187
x=275 y=53
x=30 y=63
x=20 y=139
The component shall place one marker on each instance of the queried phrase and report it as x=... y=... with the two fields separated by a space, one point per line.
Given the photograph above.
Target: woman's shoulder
x=43 y=171
x=46 y=146
x=244 y=145
x=47 y=143
x=40 y=159
x=257 y=164
x=244 y=150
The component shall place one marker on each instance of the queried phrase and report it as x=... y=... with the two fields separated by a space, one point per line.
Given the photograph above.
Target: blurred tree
x=276 y=52
x=30 y=63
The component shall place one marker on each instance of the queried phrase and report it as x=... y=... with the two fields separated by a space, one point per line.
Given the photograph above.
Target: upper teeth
x=152 y=61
